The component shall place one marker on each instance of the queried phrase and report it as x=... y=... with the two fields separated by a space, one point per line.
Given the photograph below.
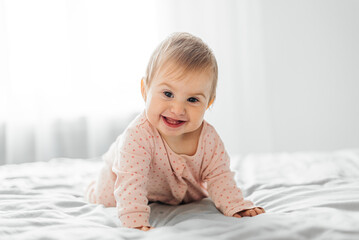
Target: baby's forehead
x=175 y=72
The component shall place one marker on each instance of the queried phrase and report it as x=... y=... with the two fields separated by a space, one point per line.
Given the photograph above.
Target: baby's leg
x=101 y=191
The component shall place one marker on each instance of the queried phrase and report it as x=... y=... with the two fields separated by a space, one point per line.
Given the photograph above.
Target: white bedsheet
x=308 y=195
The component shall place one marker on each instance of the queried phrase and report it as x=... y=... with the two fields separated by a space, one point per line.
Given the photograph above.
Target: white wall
x=311 y=68
x=289 y=71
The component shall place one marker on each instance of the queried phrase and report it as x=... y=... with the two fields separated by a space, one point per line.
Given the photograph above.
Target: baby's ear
x=143 y=89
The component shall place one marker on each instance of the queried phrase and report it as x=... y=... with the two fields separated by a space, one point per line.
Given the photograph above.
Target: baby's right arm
x=132 y=159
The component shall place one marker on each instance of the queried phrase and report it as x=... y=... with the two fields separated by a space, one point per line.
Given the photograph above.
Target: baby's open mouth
x=172 y=122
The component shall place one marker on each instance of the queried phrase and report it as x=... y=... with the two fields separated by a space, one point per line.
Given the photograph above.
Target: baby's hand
x=144 y=228
x=249 y=212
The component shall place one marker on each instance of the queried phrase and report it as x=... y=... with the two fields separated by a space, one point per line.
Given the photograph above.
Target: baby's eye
x=192 y=99
x=168 y=94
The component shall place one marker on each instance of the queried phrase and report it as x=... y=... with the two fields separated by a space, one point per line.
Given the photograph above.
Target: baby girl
x=169 y=153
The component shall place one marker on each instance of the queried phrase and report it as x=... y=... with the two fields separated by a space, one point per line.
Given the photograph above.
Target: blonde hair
x=187 y=51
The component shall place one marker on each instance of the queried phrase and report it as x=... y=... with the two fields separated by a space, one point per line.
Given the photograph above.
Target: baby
x=169 y=153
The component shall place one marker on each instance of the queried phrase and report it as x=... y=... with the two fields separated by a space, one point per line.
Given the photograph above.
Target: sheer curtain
x=70 y=75
x=70 y=70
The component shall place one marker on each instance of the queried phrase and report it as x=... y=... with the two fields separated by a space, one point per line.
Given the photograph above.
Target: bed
x=307 y=195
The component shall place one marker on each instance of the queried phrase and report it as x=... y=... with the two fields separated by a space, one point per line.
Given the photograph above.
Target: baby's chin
x=186 y=131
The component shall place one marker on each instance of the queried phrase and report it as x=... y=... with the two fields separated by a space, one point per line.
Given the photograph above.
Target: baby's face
x=176 y=106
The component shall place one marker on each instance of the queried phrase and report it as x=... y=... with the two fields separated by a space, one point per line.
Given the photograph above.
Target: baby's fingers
x=147 y=228
x=248 y=213
x=144 y=228
x=251 y=213
x=237 y=215
x=259 y=210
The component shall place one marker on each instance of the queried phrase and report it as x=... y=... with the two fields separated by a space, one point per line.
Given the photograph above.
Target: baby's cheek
x=153 y=108
x=199 y=118
x=154 y=119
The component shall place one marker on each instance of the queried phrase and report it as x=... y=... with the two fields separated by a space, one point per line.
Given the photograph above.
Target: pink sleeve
x=131 y=166
x=221 y=186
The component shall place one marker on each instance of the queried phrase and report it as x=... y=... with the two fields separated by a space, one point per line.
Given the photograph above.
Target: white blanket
x=308 y=195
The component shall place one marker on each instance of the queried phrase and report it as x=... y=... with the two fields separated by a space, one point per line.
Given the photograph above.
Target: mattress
x=307 y=195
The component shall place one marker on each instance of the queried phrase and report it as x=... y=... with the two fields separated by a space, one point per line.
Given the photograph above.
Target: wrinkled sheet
x=307 y=195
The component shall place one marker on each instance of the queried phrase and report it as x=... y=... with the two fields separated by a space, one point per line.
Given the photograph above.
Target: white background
x=70 y=72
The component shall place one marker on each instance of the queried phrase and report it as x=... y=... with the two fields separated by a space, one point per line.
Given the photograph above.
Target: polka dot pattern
x=141 y=167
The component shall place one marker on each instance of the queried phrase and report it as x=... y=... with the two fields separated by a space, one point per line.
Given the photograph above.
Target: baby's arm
x=131 y=166
x=221 y=185
x=222 y=188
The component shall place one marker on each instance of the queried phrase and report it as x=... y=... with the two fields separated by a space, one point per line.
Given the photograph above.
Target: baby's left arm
x=221 y=186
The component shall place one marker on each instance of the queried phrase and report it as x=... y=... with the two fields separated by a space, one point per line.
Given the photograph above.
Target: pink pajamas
x=141 y=167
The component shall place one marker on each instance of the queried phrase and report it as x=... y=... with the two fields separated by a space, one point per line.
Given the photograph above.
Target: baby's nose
x=178 y=108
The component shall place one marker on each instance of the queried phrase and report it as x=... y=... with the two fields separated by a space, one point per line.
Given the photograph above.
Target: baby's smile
x=173 y=123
